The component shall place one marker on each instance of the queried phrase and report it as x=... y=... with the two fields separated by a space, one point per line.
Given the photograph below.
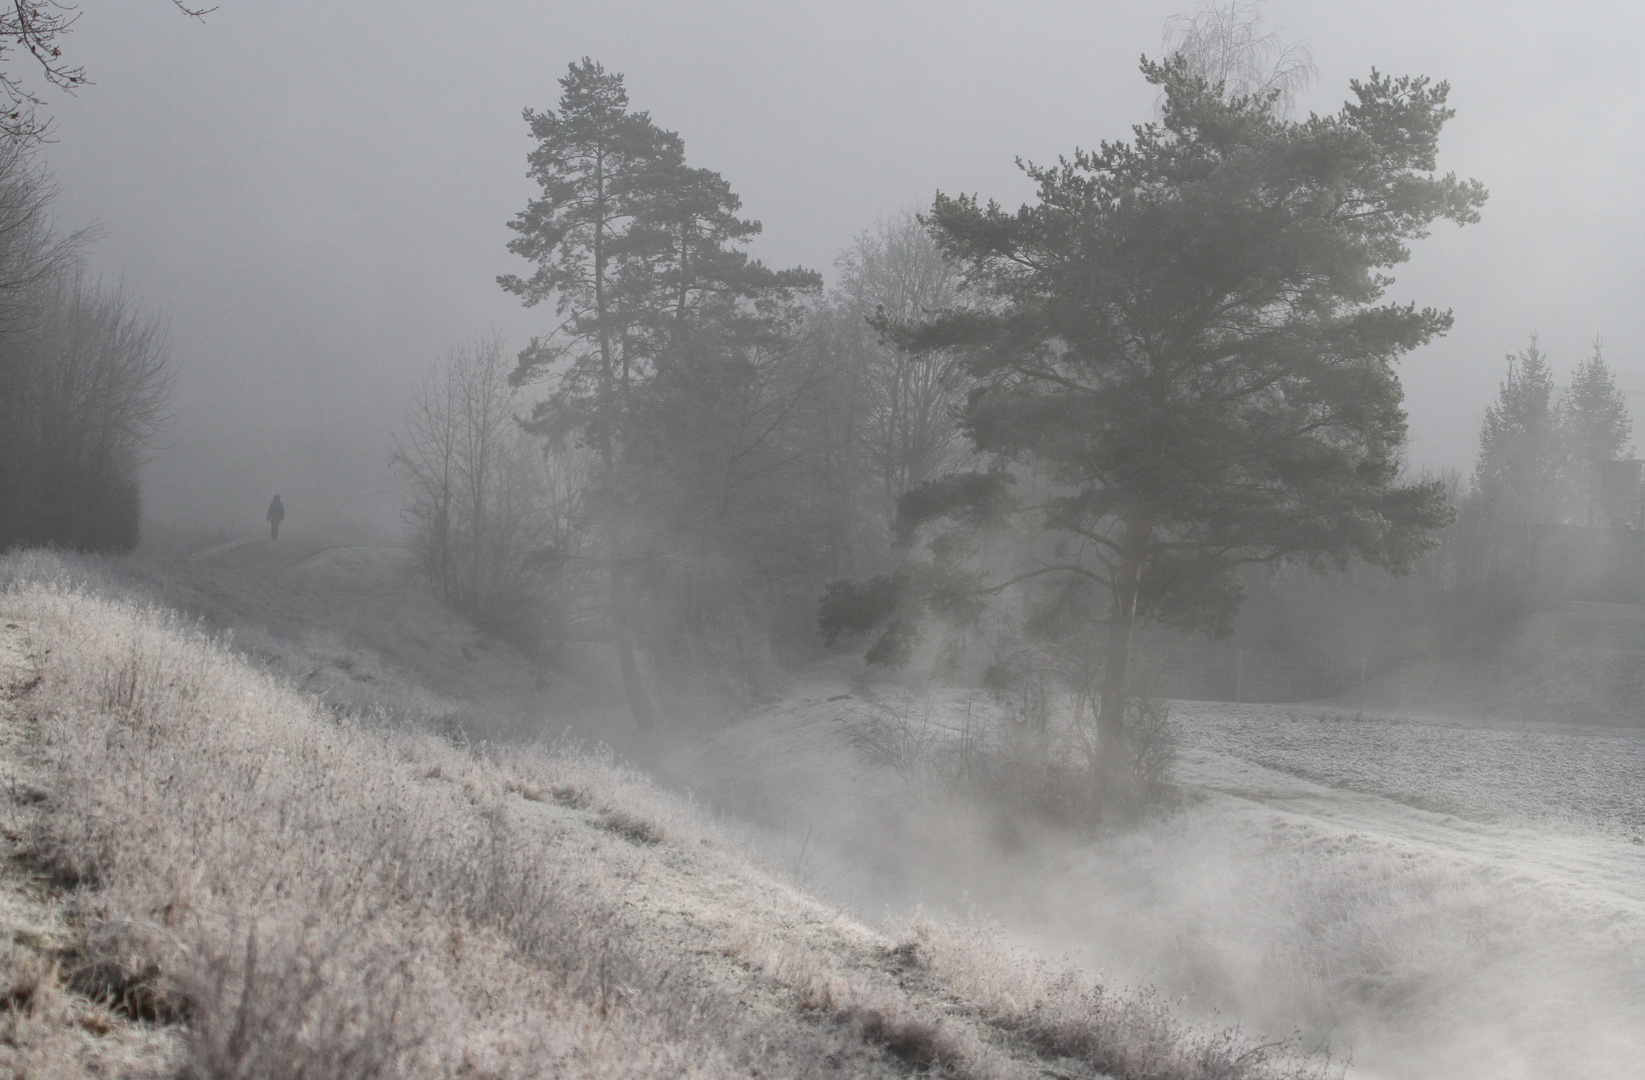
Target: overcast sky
x=314 y=194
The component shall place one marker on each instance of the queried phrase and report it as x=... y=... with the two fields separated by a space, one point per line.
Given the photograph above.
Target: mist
x=316 y=196
x=1379 y=795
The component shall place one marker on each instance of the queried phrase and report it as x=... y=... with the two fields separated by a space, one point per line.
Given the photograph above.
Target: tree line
x=1034 y=429
x=85 y=377
x=702 y=441
x=85 y=372
x=1542 y=450
x=1541 y=464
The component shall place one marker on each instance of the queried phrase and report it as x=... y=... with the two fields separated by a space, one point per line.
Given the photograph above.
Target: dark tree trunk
x=639 y=702
x=628 y=666
x=1122 y=621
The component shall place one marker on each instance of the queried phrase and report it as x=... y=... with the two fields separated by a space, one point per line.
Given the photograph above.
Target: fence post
x=1239 y=679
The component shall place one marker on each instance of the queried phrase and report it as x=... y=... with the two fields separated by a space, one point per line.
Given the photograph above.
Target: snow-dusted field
x=1590 y=777
x=1433 y=900
x=1451 y=901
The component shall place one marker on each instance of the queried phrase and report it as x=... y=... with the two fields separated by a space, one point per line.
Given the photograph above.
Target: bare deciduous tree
x=84 y=390
x=84 y=378
x=1229 y=46
x=493 y=515
x=908 y=432
x=31 y=251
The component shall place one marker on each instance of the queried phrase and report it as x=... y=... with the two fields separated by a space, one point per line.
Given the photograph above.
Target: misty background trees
x=84 y=380
x=1228 y=45
x=85 y=372
x=1028 y=448
x=905 y=400
x=493 y=518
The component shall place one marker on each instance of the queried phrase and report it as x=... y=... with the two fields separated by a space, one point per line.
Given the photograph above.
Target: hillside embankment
x=1437 y=899
x=216 y=871
x=1576 y=663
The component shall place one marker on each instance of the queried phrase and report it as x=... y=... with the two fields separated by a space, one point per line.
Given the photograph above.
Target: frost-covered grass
x=1439 y=901
x=304 y=894
x=1418 y=948
x=275 y=889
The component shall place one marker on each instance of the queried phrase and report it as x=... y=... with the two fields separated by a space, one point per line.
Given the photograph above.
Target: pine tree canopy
x=1182 y=338
x=638 y=251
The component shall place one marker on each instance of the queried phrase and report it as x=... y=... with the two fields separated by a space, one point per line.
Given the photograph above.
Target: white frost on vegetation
x=304 y=893
x=1434 y=900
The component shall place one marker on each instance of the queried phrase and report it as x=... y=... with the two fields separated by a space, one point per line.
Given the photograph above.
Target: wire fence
x=1244 y=675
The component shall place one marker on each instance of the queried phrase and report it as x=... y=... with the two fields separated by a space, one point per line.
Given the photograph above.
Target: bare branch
x=1227 y=44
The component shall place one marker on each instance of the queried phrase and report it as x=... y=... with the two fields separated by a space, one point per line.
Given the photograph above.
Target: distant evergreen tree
x=1518 y=474
x=1593 y=420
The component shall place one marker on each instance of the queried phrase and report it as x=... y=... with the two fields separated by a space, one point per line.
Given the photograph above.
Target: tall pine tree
x=658 y=312
x=1181 y=338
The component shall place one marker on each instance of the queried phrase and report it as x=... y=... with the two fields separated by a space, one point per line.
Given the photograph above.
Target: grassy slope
x=215 y=874
x=1578 y=663
x=48 y=1027
x=352 y=623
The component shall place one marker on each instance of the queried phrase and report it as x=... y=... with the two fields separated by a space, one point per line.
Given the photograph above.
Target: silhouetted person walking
x=276 y=514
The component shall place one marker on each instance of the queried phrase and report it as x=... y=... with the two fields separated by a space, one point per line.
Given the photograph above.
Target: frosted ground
x=213 y=872
x=1579 y=775
x=1432 y=898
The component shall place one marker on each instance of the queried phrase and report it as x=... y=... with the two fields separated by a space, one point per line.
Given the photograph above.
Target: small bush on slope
x=1046 y=771
x=314 y=898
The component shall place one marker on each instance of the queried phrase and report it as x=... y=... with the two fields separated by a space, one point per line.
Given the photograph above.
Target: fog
x=313 y=199
x=315 y=194
x=1388 y=930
